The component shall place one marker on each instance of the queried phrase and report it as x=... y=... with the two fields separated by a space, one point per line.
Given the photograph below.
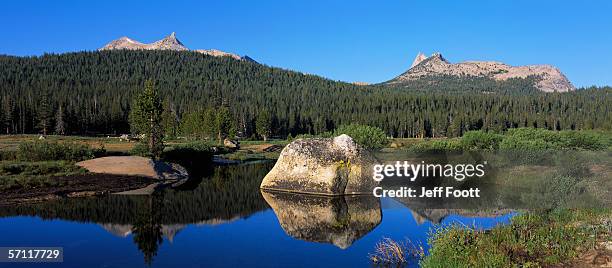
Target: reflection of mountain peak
x=120 y=230
x=336 y=220
x=169 y=231
x=437 y=215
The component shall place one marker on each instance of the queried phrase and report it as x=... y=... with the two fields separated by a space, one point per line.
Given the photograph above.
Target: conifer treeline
x=88 y=93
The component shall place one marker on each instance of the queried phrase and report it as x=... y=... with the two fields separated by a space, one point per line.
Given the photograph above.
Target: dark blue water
x=222 y=221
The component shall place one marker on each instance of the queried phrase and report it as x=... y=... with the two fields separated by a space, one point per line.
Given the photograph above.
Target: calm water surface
x=222 y=220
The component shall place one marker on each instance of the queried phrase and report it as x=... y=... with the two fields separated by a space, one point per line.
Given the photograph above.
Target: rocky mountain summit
x=169 y=42
x=549 y=78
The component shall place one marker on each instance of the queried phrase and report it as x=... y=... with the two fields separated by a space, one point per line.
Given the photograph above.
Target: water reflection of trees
x=230 y=192
x=147 y=230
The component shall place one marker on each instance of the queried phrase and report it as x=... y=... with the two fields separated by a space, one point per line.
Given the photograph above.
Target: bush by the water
x=367 y=136
x=371 y=138
x=48 y=151
x=195 y=156
x=541 y=139
x=437 y=146
x=480 y=140
x=196 y=151
x=522 y=140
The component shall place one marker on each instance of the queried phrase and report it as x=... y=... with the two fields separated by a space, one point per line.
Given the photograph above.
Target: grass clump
x=25 y=175
x=140 y=149
x=531 y=240
x=392 y=253
x=51 y=151
x=249 y=155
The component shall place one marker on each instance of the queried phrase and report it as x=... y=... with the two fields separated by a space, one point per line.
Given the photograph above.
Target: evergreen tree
x=170 y=120
x=146 y=117
x=192 y=125
x=7 y=114
x=60 y=128
x=223 y=124
x=209 y=123
x=45 y=112
x=263 y=124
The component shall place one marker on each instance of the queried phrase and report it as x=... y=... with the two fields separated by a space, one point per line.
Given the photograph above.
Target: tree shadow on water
x=147 y=230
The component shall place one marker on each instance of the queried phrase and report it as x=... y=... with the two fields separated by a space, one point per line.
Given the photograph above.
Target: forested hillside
x=90 y=93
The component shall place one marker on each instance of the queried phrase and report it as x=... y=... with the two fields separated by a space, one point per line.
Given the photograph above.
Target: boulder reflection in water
x=336 y=220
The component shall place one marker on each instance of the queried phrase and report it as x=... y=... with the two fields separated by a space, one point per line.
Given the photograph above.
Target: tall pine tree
x=146 y=118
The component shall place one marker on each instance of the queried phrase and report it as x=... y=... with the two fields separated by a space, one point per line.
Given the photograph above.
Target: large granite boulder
x=328 y=166
x=135 y=165
x=338 y=220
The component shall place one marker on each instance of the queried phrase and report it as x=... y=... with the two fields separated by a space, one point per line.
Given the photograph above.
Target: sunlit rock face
x=336 y=220
x=169 y=42
x=549 y=78
x=328 y=166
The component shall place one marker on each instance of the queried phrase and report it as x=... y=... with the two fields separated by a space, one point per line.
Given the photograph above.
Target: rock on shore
x=328 y=166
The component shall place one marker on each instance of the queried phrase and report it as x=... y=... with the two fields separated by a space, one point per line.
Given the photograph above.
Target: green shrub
x=369 y=137
x=533 y=134
x=47 y=151
x=582 y=140
x=517 y=143
x=141 y=149
x=436 y=146
x=542 y=139
x=480 y=140
x=196 y=157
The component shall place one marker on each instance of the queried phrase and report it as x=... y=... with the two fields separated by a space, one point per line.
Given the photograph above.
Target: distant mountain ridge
x=549 y=78
x=169 y=42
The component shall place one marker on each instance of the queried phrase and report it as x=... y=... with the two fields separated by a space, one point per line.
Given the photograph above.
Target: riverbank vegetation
x=36 y=163
x=520 y=139
x=532 y=239
x=27 y=175
x=559 y=237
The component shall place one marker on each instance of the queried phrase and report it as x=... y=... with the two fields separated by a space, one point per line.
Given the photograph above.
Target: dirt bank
x=74 y=186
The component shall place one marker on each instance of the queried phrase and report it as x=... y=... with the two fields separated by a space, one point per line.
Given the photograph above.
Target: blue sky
x=369 y=41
